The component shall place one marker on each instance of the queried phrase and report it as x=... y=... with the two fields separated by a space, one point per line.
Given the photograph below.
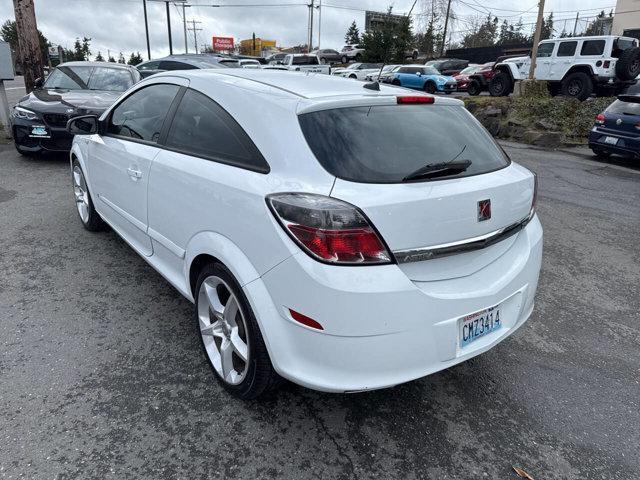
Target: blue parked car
x=425 y=78
x=617 y=129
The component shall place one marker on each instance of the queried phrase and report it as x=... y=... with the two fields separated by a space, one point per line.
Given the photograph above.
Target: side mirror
x=84 y=125
x=419 y=74
x=38 y=82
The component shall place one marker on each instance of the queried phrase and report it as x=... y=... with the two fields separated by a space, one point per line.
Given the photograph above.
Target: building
x=373 y=20
x=626 y=20
x=257 y=47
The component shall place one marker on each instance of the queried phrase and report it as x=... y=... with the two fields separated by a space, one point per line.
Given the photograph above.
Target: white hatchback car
x=341 y=262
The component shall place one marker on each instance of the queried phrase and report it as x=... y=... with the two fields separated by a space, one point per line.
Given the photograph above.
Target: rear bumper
x=380 y=328
x=625 y=146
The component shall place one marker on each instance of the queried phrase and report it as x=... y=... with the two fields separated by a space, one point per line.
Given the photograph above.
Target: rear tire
x=553 y=88
x=474 y=88
x=344 y=59
x=228 y=331
x=501 y=85
x=323 y=60
x=578 y=85
x=628 y=66
x=358 y=57
x=430 y=87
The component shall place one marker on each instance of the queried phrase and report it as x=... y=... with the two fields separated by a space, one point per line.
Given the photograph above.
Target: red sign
x=223 y=43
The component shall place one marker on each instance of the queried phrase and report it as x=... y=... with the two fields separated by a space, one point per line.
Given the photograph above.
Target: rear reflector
x=407 y=100
x=304 y=320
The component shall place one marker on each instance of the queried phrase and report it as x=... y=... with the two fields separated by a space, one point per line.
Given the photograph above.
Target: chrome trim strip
x=461 y=246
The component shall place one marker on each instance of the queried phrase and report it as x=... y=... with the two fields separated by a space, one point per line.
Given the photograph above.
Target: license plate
x=479 y=324
x=39 y=131
x=610 y=140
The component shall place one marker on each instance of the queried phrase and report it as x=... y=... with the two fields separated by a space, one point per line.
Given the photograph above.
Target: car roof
x=194 y=58
x=93 y=64
x=310 y=87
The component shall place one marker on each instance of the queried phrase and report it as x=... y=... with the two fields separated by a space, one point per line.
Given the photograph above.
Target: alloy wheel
x=223 y=329
x=81 y=193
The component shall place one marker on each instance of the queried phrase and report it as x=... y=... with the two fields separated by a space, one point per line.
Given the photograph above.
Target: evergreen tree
x=111 y=59
x=99 y=57
x=483 y=34
x=121 y=59
x=9 y=34
x=547 y=27
x=352 y=37
x=135 y=59
x=388 y=41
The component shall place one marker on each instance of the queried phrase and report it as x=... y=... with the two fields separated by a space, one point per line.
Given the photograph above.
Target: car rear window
x=384 y=144
x=305 y=60
x=625 y=108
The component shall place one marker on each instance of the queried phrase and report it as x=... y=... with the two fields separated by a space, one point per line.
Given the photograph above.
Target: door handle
x=133 y=173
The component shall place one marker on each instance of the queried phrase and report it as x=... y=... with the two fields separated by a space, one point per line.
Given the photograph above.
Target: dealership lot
x=101 y=373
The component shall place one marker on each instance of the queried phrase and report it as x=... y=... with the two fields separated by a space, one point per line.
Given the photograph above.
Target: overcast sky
x=118 y=25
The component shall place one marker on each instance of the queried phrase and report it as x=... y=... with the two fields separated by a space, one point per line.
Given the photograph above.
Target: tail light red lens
x=606 y=64
x=600 y=119
x=413 y=99
x=329 y=230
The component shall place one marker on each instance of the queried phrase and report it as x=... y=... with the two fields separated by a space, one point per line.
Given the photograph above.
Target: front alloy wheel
x=90 y=219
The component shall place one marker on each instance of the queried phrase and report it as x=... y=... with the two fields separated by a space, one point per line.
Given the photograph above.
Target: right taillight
x=328 y=229
x=600 y=118
x=534 y=200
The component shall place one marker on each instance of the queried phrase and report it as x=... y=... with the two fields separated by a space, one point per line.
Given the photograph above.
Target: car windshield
x=430 y=71
x=89 y=78
x=468 y=70
x=624 y=108
x=384 y=144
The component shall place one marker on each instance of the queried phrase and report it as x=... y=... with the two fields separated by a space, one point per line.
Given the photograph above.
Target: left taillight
x=600 y=118
x=329 y=230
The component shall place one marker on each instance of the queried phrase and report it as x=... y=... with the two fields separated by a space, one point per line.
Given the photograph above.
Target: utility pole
x=575 y=25
x=29 y=51
x=146 y=28
x=310 y=44
x=319 y=22
x=184 y=24
x=446 y=24
x=536 y=39
x=195 y=33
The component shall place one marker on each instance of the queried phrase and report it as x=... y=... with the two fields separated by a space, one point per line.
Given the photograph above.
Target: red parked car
x=462 y=78
x=478 y=80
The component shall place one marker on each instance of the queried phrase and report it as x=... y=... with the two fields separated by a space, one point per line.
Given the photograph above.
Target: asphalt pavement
x=101 y=373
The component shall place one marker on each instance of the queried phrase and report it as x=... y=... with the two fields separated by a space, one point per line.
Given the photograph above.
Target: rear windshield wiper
x=434 y=170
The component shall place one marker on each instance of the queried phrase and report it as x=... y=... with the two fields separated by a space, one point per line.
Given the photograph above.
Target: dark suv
x=448 y=66
x=185 y=62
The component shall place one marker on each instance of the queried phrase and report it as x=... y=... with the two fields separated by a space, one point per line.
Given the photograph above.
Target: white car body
x=383 y=324
x=248 y=63
x=313 y=66
x=351 y=53
x=355 y=71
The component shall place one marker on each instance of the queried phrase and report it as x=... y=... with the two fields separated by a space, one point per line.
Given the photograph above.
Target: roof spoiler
x=629 y=98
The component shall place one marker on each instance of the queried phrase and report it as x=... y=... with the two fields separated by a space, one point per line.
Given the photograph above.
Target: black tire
x=577 y=85
x=344 y=59
x=414 y=55
x=474 y=88
x=353 y=76
x=628 y=65
x=94 y=222
x=260 y=376
x=600 y=153
x=396 y=82
x=358 y=57
x=323 y=60
x=553 y=88
x=430 y=87
x=500 y=85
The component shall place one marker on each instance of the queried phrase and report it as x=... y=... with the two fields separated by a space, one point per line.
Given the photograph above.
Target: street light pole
x=446 y=24
x=146 y=28
x=184 y=22
x=169 y=28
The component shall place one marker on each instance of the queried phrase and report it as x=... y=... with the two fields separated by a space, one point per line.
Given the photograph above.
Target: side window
x=592 y=47
x=172 y=65
x=149 y=66
x=202 y=128
x=545 y=49
x=141 y=115
x=567 y=49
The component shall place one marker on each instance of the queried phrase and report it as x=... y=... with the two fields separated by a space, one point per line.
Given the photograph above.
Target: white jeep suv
x=575 y=67
x=389 y=237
